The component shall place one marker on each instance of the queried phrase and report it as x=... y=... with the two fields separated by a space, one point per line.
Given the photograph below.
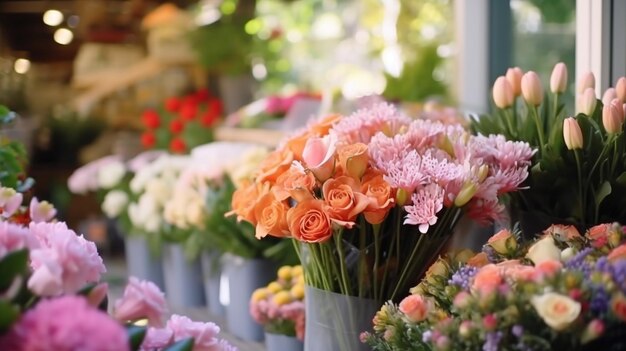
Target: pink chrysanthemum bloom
x=383 y=149
x=405 y=173
x=157 y=339
x=64 y=262
x=427 y=202
x=14 y=237
x=486 y=211
x=363 y=124
x=204 y=334
x=141 y=299
x=66 y=323
x=495 y=149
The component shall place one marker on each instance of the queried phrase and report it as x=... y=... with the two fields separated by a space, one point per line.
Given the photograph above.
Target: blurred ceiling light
x=52 y=17
x=73 y=21
x=392 y=60
x=327 y=26
x=63 y=36
x=21 y=65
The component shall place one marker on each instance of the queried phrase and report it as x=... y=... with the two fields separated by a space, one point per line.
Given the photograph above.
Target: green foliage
x=556 y=11
x=136 y=334
x=281 y=327
x=182 y=345
x=416 y=83
x=12 y=157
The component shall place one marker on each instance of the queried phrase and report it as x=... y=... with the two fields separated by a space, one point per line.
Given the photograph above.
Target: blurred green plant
x=13 y=157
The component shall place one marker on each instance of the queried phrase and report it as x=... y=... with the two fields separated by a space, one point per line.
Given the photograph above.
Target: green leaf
x=603 y=192
x=621 y=180
x=9 y=313
x=136 y=334
x=182 y=345
x=12 y=265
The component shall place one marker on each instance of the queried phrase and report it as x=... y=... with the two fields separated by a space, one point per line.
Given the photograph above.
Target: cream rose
x=111 y=174
x=114 y=203
x=544 y=250
x=558 y=311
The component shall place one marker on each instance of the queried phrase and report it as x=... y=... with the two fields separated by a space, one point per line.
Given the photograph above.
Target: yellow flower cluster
x=287 y=288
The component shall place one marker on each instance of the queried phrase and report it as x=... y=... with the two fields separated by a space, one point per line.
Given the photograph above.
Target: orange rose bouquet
x=372 y=198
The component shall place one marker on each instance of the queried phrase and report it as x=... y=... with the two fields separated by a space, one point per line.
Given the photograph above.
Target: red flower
x=151 y=119
x=176 y=126
x=208 y=119
x=148 y=140
x=202 y=95
x=216 y=107
x=172 y=104
x=188 y=110
x=177 y=146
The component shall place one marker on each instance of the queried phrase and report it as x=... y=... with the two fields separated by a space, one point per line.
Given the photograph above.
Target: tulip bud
x=466 y=194
x=586 y=102
x=611 y=118
x=514 y=76
x=572 y=134
x=620 y=89
x=609 y=95
x=588 y=80
x=502 y=93
x=619 y=108
x=531 y=88
x=558 y=80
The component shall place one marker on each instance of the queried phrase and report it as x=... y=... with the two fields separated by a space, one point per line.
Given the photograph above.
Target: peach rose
x=603 y=235
x=381 y=198
x=515 y=271
x=353 y=159
x=343 y=200
x=487 y=279
x=562 y=232
x=503 y=242
x=549 y=268
x=244 y=201
x=618 y=306
x=271 y=217
x=309 y=222
x=296 y=144
x=479 y=260
x=415 y=308
x=275 y=164
x=325 y=124
x=558 y=311
x=319 y=156
x=297 y=183
x=618 y=253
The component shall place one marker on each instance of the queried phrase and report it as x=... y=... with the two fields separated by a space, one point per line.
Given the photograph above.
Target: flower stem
x=581 y=191
x=376 y=228
x=539 y=124
x=342 y=262
x=508 y=117
x=556 y=106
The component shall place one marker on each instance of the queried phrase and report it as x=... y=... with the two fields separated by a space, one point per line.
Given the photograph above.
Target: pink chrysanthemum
x=363 y=124
x=405 y=173
x=66 y=323
x=141 y=299
x=64 y=262
x=486 y=211
x=495 y=149
x=14 y=237
x=204 y=334
x=427 y=202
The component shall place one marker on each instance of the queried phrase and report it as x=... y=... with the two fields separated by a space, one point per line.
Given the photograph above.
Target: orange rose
x=319 y=155
x=271 y=217
x=487 y=279
x=325 y=124
x=244 y=200
x=309 y=222
x=415 y=307
x=503 y=242
x=296 y=144
x=353 y=159
x=343 y=200
x=381 y=198
x=603 y=235
x=295 y=183
x=618 y=253
x=275 y=164
x=479 y=260
x=563 y=232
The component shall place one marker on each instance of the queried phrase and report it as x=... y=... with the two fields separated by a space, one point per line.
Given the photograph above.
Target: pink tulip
x=531 y=88
x=619 y=109
x=620 y=89
x=609 y=95
x=611 y=118
x=558 y=80
x=572 y=134
x=503 y=93
x=588 y=80
x=141 y=299
x=514 y=76
x=586 y=102
x=319 y=155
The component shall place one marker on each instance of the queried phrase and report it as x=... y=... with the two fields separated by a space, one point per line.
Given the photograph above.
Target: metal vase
x=212 y=271
x=141 y=262
x=245 y=276
x=183 y=278
x=279 y=342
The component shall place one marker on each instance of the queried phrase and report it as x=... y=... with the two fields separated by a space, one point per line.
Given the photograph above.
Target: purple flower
x=66 y=323
x=427 y=336
x=517 y=330
x=492 y=341
x=599 y=300
x=463 y=277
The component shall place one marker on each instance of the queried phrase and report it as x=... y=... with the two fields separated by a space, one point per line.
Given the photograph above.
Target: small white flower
x=114 y=203
x=111 y=174
x=558 y=311
x=567 y=254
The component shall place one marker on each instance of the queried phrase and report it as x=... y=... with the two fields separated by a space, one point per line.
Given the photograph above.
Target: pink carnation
x=66 y=323
x=157 y=339
x=14 y=237
x=427 y=202
x=363 y=124
x=141 y=299
x=64 y=262
x=204 y=334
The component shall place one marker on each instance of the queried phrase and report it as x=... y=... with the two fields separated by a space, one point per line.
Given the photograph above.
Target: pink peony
x=142 y=299
x=41 y=211
x=64 y=262
x=66 y=323
x=204 y=334
x=14 y=237
x=157 y=339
